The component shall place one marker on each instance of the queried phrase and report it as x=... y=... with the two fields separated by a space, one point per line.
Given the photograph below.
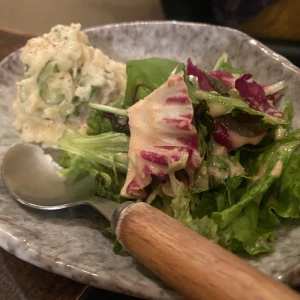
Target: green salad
x=215 y=150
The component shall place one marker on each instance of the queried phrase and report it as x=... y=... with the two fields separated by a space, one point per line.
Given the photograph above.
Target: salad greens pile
x=230 y=169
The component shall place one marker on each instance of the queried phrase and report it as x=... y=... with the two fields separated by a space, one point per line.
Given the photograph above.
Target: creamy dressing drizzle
x=239 y=141
x=260 y=173
x=220 y=153
x=217 y=110
x=277 y=170
x=280 y=133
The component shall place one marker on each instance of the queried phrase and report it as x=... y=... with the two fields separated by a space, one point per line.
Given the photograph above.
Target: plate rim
x=274 y=55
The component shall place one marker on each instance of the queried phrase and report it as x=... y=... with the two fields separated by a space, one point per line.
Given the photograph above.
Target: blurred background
x=274 y=22
x=37 y=16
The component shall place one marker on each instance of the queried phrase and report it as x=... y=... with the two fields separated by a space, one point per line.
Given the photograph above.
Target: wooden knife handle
x=194 y=266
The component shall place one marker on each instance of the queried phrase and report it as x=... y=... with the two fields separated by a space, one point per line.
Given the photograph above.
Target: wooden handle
x=194 y=266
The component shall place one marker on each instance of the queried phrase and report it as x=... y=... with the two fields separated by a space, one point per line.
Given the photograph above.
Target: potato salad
x=63 y=74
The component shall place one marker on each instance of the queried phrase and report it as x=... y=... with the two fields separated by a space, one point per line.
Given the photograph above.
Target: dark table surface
x=20 y=280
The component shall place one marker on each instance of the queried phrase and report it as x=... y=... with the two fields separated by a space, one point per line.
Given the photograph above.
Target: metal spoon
x=31 y=177
x=194 y=266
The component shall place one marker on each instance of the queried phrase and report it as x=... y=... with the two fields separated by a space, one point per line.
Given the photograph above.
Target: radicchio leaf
x=202 y=80
x=224 y=76
x=235 y=132
x=219 y=81
x=244 y=124
x=163 y=138
x=218 y=85
x=255 y=96
x=221 y=135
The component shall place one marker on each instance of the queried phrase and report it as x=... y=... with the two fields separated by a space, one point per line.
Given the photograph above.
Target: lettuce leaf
x=99 y=159
x=222 y=64
x=221 y=165
x=270 y=164
x=206 y=205
x=288 y=112
x=220 y=105
x=146 y=75
x=109 y=185
x=243 y=233
x=284 y=199
x=98 y=123
x=233 y=186
x=76 y=168
x=108 y=149
x=226 y=67
x=181 y=208
x=201 y=181
x=101 y=122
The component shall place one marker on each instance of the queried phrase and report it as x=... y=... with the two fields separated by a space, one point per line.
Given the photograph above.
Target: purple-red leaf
x=210 y=84
x=251 y=91
x=255 y=96
x=234 y=133
x=221 y=135
x=224 y=76
x=163 y=138
x=202 y=81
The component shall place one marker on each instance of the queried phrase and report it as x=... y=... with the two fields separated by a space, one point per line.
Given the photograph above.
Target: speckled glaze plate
x=72 y=242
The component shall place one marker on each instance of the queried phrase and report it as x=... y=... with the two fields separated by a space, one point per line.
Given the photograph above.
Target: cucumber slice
x=53 y=84
x=94 y=91
x=66 y=109
x=85 y=80
x=23 y=94
x=86 y=90
x=49 y=68
x=81 y=103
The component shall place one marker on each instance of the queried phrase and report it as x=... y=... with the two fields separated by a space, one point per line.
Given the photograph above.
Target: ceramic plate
x=71 y=242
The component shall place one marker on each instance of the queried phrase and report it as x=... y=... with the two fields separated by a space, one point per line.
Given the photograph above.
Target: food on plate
x=214 y=149
x=63 y=73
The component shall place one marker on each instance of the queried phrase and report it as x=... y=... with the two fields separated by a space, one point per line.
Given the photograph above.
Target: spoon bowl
x=30 y=174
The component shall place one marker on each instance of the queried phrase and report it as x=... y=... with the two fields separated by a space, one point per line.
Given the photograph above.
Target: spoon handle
x=194 y=266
